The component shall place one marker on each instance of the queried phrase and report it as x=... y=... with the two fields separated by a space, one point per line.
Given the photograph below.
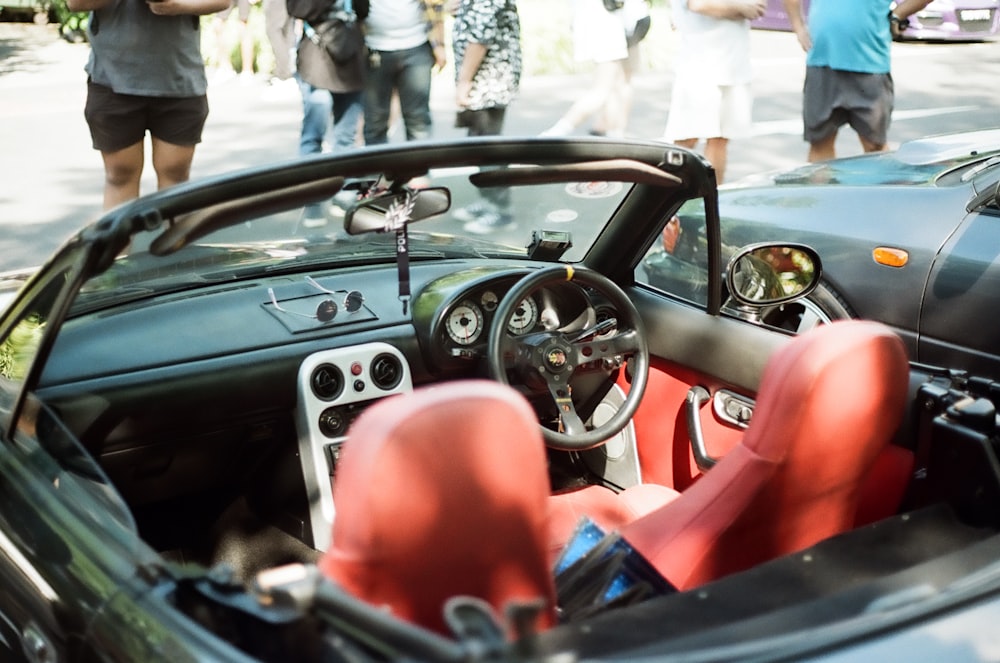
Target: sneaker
x=489 y=222
x=314 y=216
x=559 y=129
x=473 y=211
x=313 y=222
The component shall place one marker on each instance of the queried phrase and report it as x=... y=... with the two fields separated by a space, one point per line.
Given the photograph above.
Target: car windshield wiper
x=973 y=172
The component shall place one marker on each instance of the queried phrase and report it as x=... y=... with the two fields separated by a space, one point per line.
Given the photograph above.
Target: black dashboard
x=174 y=393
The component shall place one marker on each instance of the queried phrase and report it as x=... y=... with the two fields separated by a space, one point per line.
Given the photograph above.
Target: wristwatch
x=899 y=23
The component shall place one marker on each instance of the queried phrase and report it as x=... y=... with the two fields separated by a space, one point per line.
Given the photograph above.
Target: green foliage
x=72 y=25
x=18 y=349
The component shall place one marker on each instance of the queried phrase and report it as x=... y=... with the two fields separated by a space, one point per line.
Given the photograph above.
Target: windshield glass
x=483 y=221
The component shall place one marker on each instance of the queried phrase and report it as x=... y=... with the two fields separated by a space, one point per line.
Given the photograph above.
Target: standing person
x=486 y=38
x=848 y=74
x=330 y=89
x=405 y=40
x=711 y=98
x=280 y=30
x=599 y=37
x=636 y=20
x=223 y=47
x=145 y=73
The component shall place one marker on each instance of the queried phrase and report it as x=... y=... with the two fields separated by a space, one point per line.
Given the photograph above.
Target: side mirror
x=770 y=274
x=388 y=212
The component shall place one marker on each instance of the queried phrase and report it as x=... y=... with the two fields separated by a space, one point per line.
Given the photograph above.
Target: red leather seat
x=443 y=492
x=828 y=404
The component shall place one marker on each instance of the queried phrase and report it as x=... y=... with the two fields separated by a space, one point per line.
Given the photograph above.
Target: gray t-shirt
x=134 y=51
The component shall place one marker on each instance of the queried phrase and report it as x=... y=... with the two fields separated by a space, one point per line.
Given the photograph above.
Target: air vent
x=386 y=371
x=327 y=382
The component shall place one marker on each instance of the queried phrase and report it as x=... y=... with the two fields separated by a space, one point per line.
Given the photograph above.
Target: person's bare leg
x=614 y=108
x=223 y=59
x=869 y=146
x=601 y=93
x=824 y=149
x=624 y=92
x=122 y=173
x=246 y=49
x=172 y=163
x=717 y=153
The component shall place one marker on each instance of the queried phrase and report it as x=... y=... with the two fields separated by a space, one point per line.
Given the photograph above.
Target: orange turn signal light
x=890 y=257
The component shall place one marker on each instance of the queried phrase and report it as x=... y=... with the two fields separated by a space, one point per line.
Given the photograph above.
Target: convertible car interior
x=396 y=435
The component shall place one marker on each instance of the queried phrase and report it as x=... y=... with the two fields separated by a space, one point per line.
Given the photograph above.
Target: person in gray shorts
x=848 y=76
x=145 y=74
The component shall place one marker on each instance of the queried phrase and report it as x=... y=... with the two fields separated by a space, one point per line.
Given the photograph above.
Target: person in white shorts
x=711 y=98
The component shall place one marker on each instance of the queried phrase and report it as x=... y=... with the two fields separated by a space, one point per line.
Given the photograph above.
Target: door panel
x=690 y=348
x=661 y=429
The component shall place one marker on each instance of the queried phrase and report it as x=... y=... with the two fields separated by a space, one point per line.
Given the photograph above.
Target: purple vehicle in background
x=945 y=20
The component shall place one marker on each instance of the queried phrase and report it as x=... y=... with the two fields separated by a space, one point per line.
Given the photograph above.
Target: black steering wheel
x=564 y=364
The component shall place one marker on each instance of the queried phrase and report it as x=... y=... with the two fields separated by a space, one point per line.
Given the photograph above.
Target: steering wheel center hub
x=556 y=358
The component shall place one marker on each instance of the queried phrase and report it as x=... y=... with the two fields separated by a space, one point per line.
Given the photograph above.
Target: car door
x=705 y=365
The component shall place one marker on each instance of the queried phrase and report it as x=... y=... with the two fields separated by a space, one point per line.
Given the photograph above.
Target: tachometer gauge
x=465 y=323
x=525 y=316
x=489 y=301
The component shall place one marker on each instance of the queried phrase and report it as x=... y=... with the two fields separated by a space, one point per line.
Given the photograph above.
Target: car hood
x=865 y=170
x=917 y=162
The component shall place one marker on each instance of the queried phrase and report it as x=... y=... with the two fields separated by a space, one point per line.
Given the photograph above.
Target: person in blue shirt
x=848 y=74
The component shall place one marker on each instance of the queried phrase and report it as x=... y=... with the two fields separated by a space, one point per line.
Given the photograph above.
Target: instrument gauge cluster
x=467 y=319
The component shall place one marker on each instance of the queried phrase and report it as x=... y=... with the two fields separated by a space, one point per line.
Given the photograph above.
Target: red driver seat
x=828 y=404
x=443 y=492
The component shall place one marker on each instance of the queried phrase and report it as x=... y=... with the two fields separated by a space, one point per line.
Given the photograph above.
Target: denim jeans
x=318 y=107
x=407 y=72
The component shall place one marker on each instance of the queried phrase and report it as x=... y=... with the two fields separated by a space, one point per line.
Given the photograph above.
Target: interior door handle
x=696 y=397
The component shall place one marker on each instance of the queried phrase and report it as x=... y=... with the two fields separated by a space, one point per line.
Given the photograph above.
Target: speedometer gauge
x=465 y=323
x=524 y=318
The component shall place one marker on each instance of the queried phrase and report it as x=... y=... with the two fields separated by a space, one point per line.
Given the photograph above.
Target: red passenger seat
x=828 y=405
x=443 y=492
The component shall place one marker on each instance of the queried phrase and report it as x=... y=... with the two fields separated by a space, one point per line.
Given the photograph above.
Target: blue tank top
x=850 y=35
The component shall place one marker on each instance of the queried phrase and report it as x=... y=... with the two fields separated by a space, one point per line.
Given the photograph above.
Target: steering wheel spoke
x=570 y=422
x=623 y=344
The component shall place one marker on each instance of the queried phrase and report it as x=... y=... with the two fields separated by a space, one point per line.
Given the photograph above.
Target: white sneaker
x=490 y=222
x=473 y=211
x=558 y=129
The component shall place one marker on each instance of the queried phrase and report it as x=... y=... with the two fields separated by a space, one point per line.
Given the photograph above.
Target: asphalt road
x=52 y=178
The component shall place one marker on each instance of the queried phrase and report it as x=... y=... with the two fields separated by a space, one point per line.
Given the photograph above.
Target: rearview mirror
x=389 y=212
x=769 y=274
